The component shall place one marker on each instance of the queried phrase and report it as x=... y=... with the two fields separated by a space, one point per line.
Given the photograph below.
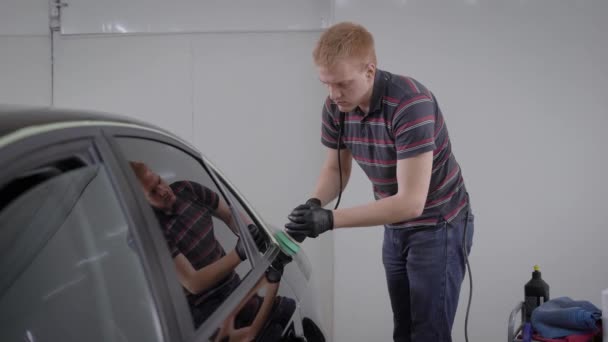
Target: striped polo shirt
x=404 y=120
x=189 y=230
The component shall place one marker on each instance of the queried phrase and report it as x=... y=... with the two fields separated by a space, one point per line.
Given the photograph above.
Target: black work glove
x=313 y=202
x=240 y=250
x=275 y=271
x=310 y=221
x=259 y=237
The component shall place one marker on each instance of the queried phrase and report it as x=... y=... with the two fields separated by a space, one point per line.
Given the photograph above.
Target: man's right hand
x=312 y=202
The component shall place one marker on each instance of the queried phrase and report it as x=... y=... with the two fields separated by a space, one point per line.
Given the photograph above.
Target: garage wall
x=25 y=54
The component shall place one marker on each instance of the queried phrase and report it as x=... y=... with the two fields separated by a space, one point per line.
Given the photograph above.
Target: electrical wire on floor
x=468 y=266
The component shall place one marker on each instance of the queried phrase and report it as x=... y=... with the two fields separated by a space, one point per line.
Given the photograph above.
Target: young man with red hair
x=392 y=126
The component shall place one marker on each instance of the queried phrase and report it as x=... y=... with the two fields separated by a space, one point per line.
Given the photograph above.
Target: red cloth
x=571 y=338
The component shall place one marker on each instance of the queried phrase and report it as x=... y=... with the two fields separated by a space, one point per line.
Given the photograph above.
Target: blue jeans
x=424 y=271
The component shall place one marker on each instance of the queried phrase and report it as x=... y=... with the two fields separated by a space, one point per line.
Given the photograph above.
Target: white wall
x=523 y=86
x=25 y=52
x=144 y=77
x=25 y=76
x=24 y=17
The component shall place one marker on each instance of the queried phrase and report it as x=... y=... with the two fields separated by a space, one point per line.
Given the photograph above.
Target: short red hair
x=343 y=41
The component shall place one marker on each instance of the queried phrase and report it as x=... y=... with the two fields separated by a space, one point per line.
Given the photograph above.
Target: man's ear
x=370 y=71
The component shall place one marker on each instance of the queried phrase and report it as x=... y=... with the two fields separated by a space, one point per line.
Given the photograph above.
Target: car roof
x=16 y=117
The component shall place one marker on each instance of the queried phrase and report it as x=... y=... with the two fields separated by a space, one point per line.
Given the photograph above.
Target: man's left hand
x=310 y=221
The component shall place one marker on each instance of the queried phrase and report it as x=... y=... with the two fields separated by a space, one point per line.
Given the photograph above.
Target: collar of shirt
x=380 y=81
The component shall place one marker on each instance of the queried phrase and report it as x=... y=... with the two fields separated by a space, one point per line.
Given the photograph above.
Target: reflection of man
x=184 y=210
x=262 y=315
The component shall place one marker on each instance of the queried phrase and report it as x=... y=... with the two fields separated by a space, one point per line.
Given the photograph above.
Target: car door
x=284 y=322
x=250 y=308
x=69 y=271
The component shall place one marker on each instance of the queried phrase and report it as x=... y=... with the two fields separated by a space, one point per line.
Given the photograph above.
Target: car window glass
x=68 y=273
x=265 y=312
x=246 y=219
x=199 y=226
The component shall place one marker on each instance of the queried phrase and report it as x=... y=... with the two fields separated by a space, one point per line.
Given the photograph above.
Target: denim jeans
x=424 y=270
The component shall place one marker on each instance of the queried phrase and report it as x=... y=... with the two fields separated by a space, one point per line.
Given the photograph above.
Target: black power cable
x=341 y=129
x=466 y=259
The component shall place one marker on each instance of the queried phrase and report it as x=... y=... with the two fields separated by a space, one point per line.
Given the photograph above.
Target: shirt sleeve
x=206 y=196
x=413 y=126
x=330 y=127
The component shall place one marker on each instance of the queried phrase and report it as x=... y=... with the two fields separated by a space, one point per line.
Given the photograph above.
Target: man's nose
x=334 y=94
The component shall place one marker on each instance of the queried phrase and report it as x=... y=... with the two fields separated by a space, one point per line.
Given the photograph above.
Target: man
x=184 y=210
x=393 y=127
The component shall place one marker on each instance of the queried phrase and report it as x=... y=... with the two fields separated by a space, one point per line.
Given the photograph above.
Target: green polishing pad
x=287 y=245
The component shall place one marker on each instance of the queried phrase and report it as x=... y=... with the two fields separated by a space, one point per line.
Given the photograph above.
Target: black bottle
x=536 y=292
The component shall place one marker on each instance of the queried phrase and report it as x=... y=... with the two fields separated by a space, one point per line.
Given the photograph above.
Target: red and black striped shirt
x=188 y=230
x=404 y=120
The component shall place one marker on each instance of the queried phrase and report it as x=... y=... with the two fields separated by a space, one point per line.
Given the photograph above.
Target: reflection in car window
x=202 y=235
x=263 y=314
x=68 y=273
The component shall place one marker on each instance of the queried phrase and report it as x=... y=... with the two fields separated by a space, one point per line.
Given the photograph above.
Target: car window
x=239 y=205
x=265 y=312
x=204 y=232
x=68 y=273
